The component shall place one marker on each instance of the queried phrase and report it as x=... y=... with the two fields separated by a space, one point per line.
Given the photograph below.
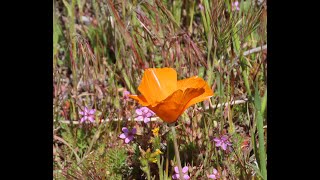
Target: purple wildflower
x=184 y=171
x=201 y=7
x=125 y=95
x=87 y=115
x=144 y=114
x=223 y=142
x=127 y=135
x=214 y=175
x=235 y=6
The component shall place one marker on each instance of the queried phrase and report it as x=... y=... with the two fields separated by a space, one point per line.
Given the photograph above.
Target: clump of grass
x=116 y=163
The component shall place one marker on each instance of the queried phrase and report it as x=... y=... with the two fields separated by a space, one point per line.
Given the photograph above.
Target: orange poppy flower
x=167 y=97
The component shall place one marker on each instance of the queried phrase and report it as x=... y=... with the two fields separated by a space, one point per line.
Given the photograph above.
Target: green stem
x=262 y=152
x=148 y=174
x=176 y=149
x=259 y=121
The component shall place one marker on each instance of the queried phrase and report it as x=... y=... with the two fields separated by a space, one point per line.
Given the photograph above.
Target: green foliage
x=116 y=163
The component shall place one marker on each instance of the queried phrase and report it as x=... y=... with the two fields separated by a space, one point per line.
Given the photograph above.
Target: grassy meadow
x=101 y=49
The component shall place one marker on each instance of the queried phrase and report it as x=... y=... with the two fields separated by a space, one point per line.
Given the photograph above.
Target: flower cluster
x=235 y=6
x=155 y=131
x=125 y=95
x=184 y=171
x=214 y=175
x=127 y=135
x=87 y=115
x=144 y=114
x=166 y=96
x=222 y=142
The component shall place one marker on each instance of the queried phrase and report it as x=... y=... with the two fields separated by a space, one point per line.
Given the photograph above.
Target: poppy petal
x=157 y=84
x=172 y=107
x=141 y=99
x=195 y=82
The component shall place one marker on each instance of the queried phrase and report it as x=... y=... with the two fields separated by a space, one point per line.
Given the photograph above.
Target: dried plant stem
x=213 y=106
x=254 y=50
x=226 y=104
x=176 y=149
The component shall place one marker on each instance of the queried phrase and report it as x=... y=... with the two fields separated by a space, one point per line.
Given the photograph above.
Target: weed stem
x=176 y=149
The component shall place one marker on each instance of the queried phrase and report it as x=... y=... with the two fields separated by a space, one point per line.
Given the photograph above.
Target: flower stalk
x=176 y=148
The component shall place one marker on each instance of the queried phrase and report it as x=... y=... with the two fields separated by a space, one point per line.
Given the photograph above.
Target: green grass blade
x=259 y=119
